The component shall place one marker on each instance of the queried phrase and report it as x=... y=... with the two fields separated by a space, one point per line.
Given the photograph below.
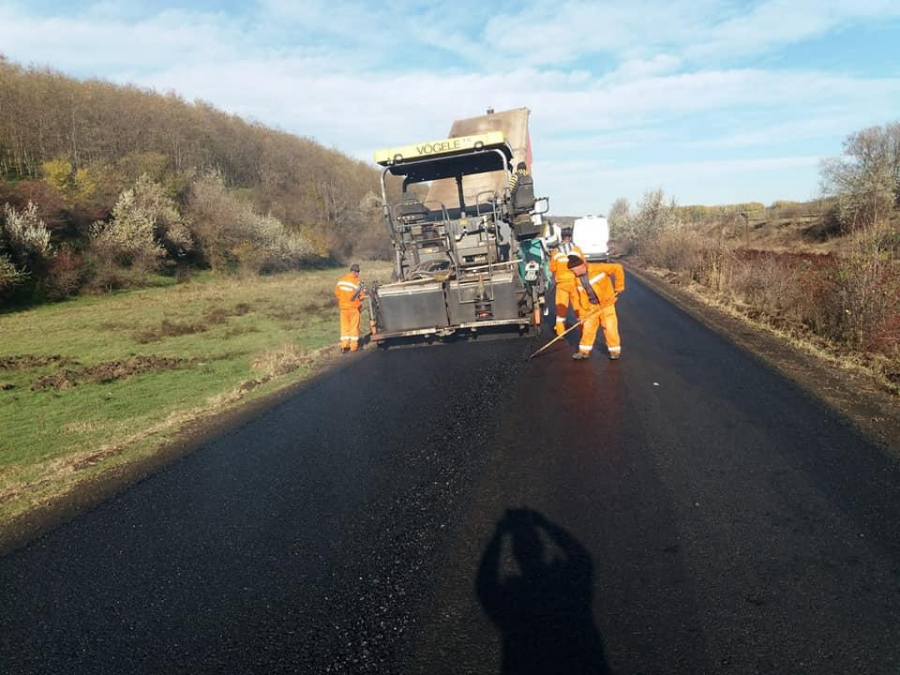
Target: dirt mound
x=60 y=380
x=169 y=329
x=119 y=370
x=108 y=371
x=29 y=361
x=220 y=314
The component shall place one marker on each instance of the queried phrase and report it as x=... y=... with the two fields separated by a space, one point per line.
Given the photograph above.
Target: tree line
x=80 y=158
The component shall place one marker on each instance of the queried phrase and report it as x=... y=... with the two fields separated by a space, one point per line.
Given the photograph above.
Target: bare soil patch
x=29 y=361
x=169 y=329
x=219 y=315
x=108 y=371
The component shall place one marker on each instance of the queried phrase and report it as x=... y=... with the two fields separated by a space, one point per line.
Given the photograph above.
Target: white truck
x=591 y=234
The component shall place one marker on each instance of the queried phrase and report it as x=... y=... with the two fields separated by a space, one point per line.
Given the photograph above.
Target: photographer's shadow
x=543 y=609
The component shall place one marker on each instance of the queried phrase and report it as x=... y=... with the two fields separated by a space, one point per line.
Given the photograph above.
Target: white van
x=591 y=234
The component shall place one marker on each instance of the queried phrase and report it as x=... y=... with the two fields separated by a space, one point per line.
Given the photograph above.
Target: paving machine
x=468 y=257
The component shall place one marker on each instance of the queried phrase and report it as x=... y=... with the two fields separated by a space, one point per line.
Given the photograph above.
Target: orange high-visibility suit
x=566 y=288
x=350 y=296
x=598 y=277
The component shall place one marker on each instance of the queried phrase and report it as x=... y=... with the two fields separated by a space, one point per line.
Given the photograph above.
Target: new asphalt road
x=456 y=509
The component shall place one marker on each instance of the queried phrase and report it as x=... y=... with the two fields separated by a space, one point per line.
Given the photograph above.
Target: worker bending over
x=597 y=297
x=350 y=293
x=566 y=288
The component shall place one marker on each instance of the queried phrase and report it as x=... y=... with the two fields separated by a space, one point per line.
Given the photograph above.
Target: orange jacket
x=346 y=288
x=599 y=276
x=559 y=264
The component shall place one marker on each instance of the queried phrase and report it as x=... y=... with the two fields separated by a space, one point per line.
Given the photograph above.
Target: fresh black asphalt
x=456 y=509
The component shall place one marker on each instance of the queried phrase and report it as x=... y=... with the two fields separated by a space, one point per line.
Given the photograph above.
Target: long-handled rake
x=563 y=334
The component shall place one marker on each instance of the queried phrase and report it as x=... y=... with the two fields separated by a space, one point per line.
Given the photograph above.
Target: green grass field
x=95 y=382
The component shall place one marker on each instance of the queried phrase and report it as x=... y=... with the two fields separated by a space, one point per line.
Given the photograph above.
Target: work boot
x=614 y=357
x=580 y=356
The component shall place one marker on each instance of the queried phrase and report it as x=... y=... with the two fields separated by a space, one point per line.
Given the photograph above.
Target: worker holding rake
x=597 y=294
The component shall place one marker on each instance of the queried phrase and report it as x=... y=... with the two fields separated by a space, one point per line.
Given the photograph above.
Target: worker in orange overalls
x=566 y=288
x=597 y=296
x=350 y=293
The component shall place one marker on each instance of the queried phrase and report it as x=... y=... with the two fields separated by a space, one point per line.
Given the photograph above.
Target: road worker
x=350 y=293
x=566 y=288
x=597 y=296
x=521 y=170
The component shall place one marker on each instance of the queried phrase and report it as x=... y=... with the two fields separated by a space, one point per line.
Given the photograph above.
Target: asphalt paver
x=458 y=509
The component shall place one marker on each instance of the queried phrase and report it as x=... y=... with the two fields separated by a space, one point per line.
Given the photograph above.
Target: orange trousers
x=610 y=322
x=350 y=329
x=565 y=294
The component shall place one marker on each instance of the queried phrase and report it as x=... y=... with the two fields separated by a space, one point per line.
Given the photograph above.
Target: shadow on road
x=543 y=608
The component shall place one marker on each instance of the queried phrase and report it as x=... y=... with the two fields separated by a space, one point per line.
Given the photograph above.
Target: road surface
x=456 y=509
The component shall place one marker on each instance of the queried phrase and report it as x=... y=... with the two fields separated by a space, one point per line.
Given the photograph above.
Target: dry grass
x=846 y=305
x=281 y=361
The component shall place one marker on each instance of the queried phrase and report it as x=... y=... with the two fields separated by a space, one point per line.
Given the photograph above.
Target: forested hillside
x=103 y=184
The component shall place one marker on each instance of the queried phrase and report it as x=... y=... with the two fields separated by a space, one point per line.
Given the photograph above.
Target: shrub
x=867 y=281
x=619 y=217
x=638 y=230
x=26 y=233
x=10 y=275
x=27 y=242
x=767 y=282
x=680 y=250
x=866 y=180
x=144 y=228
x=65 y=275
x=232 y=236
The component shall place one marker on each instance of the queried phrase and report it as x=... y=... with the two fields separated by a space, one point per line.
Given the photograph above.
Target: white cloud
x=579 y=187
x=553 y=33
x=348 y=74
x=781 y=22
x=87 y=44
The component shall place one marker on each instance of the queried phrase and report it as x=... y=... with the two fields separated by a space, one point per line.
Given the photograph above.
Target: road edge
x=872 y=411
x=193 y=435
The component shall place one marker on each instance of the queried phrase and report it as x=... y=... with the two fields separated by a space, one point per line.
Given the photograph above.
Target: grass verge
x=90 y=385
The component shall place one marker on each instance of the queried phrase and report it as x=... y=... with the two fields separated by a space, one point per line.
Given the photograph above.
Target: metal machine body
x=465 y=258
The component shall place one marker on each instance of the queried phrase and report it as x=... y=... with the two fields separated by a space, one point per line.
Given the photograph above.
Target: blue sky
x=713 y=101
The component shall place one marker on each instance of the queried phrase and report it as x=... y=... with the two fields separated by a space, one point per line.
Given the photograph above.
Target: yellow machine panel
x=443 y=146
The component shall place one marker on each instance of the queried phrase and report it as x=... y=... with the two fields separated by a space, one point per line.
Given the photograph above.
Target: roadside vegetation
x=103 y=187
x=826 y=272
x=160 y=261
x=98 y=382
